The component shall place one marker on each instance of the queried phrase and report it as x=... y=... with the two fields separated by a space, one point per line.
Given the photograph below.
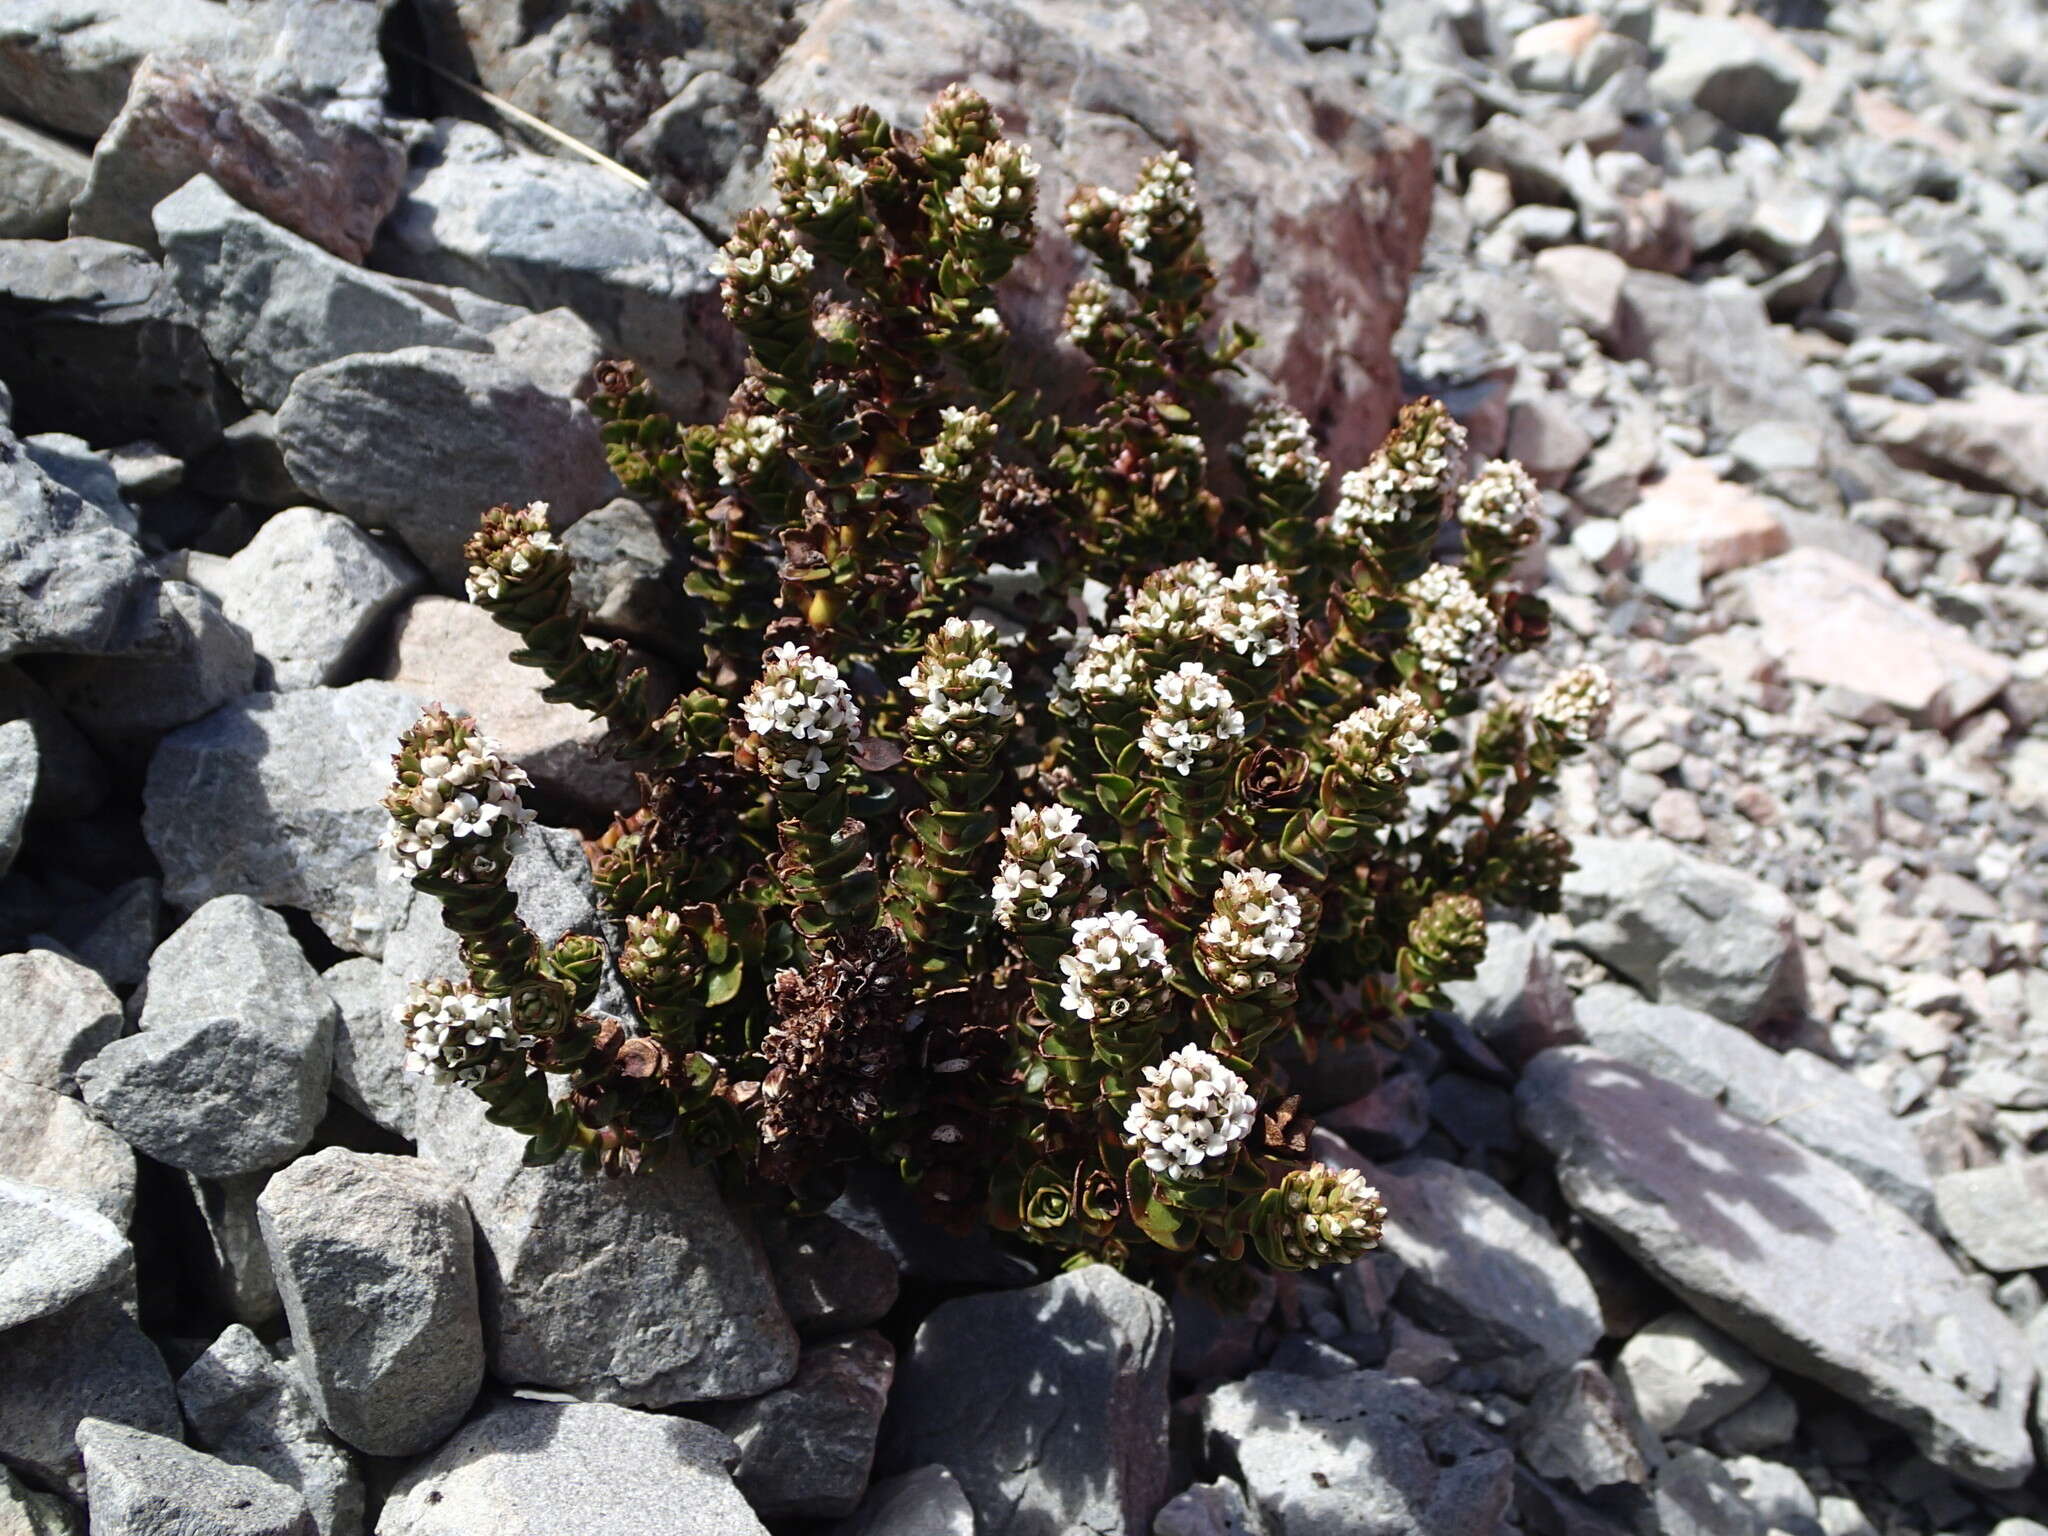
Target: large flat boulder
x=1790 y=1255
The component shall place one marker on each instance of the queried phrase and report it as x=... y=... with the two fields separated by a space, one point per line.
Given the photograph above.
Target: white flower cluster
x=1162 y=206
x=1501 y=499
x=1335 y=1214
x=1114 y=957
x=1254 y=936
x=1412 y=466
x=449 y=1032
x=465 y=797
x=802 y=715
x=813 y=182
x=744 y=448
x=1089 y=303
x=1452 y=627
x=960 y=680
x=486 y=581
x=755 y=267
x=1252 y=614
x=1045 y=855
x=995 y=191
x=1193 y=720
x=1377 y=742
x=1280 y=445
x=1100 y=667
x=1577 y=704
x=1172 y=605
x=964 y=435
x=1190 y=1113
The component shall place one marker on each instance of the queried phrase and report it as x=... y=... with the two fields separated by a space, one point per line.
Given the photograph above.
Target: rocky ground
x=1720 y=1206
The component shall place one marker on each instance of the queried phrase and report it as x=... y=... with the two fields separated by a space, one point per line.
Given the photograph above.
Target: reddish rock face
x=331 y=182
x=1316 y=207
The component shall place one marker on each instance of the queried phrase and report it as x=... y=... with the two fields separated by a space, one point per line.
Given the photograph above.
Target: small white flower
x=1577 y=704
x=745 y=446
x=961 y=680
x=1116 y=958
x=1452 y=628
x=451 y=1031
x=469 y=794
x=1279 y=444
x=1253 y=615
x=1193 y=723
x=1376 y=743
x=1046 y=855
x=802 y=714
x=1192 y=1110
x=1162 y=205
x=1501 y=499
x=1173 y=606
x=1254 y=935
x=1099 y=667
x=1414 y=464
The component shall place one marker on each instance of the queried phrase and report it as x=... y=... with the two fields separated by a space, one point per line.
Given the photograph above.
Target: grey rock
x=58 y=1014
x=481 y=214
x=55 y=1251
x=72 y=581
x=1580 y=1429
x=1716 y=337
x=95 y=341
x=1726 y=68
x=1387 y=1122
x=1524 y=154
x=91 y=1360
x=1816 y=1103
x=1684 y=930
x=251 y=1411
x=71 y=462
x=1365 y=1454
x=424 y=441
x=39 y=176
x=71 y=781
x=1208 y=1509
x=145 y=469
x=1484 y=1272
x=556 y=348
x=234 y=1271
x=626 y=578
x=273 y=305
x=1684 y=1375
x=691 y=143
x=215 y=1097
x=26 y=1513
x=1998 y=1214
x=693 y=1319
x=1049 y=1404
x=66 y=64
x=1315 y=207
x=519 y=1466
x=276 y=797
x=879 y=1208
x=375 y=1260
x=830 y=1279
x=369 y=1045
x=52 y=1141
x=1774 y=1491
x=1764 y=1423
x=1697 y=1497
x=196 y=661
x=330 y=181
x=1790 y=1255
x=247 y=466
x=141 y=1484
x=114 y=933
x=1517 y=1002
x=1215 y=1341
x=456 y=653
x=312 y=590
x=234 y=958
x=926 y=1500
x=806 y=1449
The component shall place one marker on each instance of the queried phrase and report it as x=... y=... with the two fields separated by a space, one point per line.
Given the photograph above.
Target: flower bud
x=1279 y=449
x=1326 y=1215
x=1577 y=704
x=513 y=553
x=454 y=802
x=1374 y=745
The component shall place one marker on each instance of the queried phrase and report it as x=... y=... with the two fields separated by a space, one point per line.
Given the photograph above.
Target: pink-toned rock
x=1829 y=621
x=331 y=182
x=453 y=654
x=1316 y=206
x=1993 y=437
x=1567 y=35
x=1693 y=508
x=1588 y=280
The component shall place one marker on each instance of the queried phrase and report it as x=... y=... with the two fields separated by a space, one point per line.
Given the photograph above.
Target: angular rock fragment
x=312 y=591
x=144 y=1483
